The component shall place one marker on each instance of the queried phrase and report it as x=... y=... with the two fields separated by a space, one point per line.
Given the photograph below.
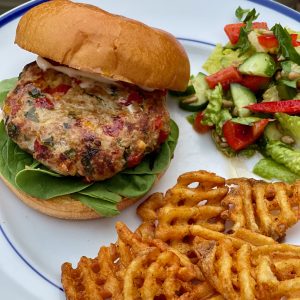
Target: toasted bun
x=64 y=207
x=87 y=38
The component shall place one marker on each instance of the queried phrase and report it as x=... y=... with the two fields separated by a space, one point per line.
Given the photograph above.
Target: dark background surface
x=9 y=4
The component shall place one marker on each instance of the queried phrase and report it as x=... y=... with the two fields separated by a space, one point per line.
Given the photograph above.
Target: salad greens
x=253 y=96
x=28 y=175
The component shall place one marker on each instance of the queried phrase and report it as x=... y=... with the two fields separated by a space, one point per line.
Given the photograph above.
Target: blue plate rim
x=20 y=10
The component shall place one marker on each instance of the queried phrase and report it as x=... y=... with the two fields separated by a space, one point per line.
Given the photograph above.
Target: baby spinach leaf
x=173 y=138
x=102 y=207
x=5 y=86
x=12 y=158
x=99 y=190
x=130 y=186
x=42 y=184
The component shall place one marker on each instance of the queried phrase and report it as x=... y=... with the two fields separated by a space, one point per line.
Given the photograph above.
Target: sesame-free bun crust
x=64 y=207
x=87 y=38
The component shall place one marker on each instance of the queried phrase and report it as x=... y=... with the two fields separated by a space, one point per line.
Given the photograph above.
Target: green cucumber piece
x=259 y=64
x=198 y=100
x=242 y=96
x=272 y=132
x=285 y=92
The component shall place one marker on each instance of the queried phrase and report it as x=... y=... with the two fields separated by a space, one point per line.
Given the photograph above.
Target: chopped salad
x=249 y=100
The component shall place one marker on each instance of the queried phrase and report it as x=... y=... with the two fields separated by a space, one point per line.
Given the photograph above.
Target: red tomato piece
x=225 y=77
x=294 y=37
x=268 y=40
x=284 y=106
x=233 y=30
x=239 y=136
x=198 y=126
x=255 y=83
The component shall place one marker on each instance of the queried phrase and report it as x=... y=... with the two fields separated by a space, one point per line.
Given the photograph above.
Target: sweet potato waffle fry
x=266 y=208
x=249 y=272
x=132 y=269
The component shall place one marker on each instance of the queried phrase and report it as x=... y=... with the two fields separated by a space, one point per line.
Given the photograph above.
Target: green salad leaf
x=222 y=58
x=246 y=120
x=5 y=86
x=285 y=155
x=285 y=44
x=250 y=14
x=211 y=116
x=270 y=169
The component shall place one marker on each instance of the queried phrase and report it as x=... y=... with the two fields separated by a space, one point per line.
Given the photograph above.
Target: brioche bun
x=90 y=39
x=64 y=207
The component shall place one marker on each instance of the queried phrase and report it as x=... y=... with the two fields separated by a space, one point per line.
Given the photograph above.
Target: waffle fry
x=266 y=208
x=192 y=212
x=132 y=269
x=193 y=201
x=267 y=272
x=206 y=238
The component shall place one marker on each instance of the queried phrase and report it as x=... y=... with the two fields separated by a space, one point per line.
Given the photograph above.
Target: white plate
x=33 y=246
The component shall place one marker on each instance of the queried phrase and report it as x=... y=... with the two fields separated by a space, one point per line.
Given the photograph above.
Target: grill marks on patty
x=79 y=127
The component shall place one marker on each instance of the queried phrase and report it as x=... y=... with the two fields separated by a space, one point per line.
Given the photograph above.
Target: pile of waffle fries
x=206 y=238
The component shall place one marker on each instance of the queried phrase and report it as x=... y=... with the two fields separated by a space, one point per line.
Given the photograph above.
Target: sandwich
x=86 y=131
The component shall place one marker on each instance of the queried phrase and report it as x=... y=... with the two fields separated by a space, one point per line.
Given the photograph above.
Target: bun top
x=90 y=39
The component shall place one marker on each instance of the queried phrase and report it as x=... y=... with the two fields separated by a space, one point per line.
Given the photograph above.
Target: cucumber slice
x=285 y=92
x=259 y=64
x=198 y=100
x=242 y=96
x=272 y=133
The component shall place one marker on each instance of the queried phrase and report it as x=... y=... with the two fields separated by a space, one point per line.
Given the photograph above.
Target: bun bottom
x=63 y=207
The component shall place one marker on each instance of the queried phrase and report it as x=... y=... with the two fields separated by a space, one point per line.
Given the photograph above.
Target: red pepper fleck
x=44 y=102
x=133 y=160
x=115 y=128
x=15 y=107
x=158 y=123
x=61 y=88
x=41 y=151
x=163 y=135
x=133 y=97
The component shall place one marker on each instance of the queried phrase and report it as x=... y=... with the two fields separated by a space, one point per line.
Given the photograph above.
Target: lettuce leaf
x=270 y=169
x=222 y=58
x=214 y=107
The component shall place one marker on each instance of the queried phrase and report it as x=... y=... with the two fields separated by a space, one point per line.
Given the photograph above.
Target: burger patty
x=80 y=127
